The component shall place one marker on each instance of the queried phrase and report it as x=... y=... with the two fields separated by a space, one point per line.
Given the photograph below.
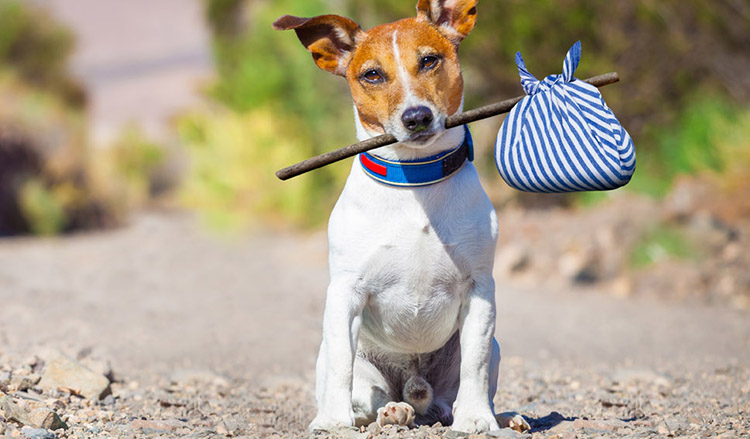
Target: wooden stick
x=387 y=139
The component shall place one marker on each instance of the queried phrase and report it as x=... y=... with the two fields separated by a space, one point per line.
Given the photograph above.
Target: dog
x=409 y=322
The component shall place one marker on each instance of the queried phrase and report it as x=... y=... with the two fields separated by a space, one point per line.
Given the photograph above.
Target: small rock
x=169 y=425
x=12 y=412
x=194 y=377
x=4 y=381
x=579 y=265
x=348 y=433
x=504 y=433
x=563 y=426
x=61 y=371
x=512 y=259
x=221 y=428
x=22 y=383
x=453 y=434
x=46 y=418
x=37 y=433
x=630 y=376
x=608 y=425
x=374 y=428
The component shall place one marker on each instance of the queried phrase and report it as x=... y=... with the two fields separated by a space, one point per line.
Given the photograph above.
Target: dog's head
x=404 y=76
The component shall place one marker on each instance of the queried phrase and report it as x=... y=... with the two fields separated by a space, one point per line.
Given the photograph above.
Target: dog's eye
x=428 y=62
x=373 y=76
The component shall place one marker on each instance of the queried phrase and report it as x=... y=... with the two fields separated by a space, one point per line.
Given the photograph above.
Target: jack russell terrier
x=408 y=330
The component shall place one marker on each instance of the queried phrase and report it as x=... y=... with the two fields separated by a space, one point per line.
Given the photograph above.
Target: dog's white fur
x=409 y=267
x=410 y=310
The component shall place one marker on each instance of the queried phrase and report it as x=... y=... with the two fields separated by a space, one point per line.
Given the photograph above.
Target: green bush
x=36 y=48
x=662 y=50
x=711 y=137
x=661 y=243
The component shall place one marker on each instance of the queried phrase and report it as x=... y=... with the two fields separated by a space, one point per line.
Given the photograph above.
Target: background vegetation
x=683 y=97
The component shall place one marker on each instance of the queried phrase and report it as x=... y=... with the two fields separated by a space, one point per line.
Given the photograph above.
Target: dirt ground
x=217 y=337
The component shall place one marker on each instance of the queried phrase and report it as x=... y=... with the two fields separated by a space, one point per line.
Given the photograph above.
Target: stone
x=22 y=383
x=512 y=259
x=579 y=265
x=221 y=428
x=4 y=381
x=504 y=433
x=168 y=425
x=12 y=412
x=63 y=372
x=374 y=428
x=608 y=425
x=46 y=418
x=563 y=426
x=37 y=433
x=631 y=376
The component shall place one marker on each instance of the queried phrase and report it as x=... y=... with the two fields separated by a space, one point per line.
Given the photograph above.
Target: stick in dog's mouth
x=387 y=139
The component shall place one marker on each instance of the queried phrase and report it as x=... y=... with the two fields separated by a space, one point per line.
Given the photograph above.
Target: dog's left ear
x=454 y=18
x=329 y=38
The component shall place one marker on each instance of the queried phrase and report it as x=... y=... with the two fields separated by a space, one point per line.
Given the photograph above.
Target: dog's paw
x=399 y=413
x=512 y=420
x=325 y=422
x=474 y=423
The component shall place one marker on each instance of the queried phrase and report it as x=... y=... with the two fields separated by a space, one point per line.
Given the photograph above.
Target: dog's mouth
x=422 y=137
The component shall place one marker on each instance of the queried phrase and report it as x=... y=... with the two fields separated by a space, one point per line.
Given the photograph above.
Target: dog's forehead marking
x=403 y=76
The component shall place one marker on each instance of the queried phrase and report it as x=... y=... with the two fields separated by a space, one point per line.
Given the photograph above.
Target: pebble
x=505 y=433
x=61 y=371
x=374 y=428
x=37 y=433
x=12 y=412
x=559 y=402
x=168 y=425
x=609 y=425
x=46 y=418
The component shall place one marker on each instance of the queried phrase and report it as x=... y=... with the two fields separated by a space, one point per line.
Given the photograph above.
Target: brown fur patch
x=441 y=86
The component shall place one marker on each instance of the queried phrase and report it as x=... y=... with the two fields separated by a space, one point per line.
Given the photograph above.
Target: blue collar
x=420 y=172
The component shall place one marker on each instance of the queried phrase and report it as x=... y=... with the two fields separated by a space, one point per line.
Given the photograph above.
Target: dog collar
x=422 y=172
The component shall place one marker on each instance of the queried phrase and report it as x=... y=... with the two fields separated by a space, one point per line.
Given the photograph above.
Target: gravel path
x=208 y=337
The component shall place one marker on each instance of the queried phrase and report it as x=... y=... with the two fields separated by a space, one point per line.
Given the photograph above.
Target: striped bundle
x=562 y=137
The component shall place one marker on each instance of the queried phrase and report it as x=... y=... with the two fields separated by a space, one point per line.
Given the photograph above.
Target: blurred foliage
x=134 y=169
x=43 y=209
x=663 y=242
x=36 y=48
x=45 y=179
x=231 y=175
x=711 y=137
x=667 y=53
x=50 y=181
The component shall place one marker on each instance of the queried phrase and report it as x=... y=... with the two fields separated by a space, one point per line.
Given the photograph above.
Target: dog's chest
x=413 y=254
x=415 y=285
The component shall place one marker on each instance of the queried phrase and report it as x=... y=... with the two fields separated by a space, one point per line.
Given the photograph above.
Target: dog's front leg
x=471 y=411
x=334 y=372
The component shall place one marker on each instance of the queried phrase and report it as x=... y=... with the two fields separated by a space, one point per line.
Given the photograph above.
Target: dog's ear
x=455 y=18
x=330 y=38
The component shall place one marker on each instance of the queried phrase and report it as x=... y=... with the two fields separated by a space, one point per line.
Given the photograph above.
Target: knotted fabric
x=562 y=137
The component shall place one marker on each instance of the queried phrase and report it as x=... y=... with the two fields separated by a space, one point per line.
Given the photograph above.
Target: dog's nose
x=417 y=118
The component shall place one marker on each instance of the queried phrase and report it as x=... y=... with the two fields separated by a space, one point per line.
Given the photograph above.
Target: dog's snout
x=417 y=118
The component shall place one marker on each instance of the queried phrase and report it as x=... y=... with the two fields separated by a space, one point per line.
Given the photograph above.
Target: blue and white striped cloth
x=562 y=137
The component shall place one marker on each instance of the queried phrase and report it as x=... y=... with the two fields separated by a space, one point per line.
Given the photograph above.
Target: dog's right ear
x=330 y=38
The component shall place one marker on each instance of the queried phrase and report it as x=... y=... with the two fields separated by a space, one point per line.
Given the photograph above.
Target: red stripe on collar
x=374 y=167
